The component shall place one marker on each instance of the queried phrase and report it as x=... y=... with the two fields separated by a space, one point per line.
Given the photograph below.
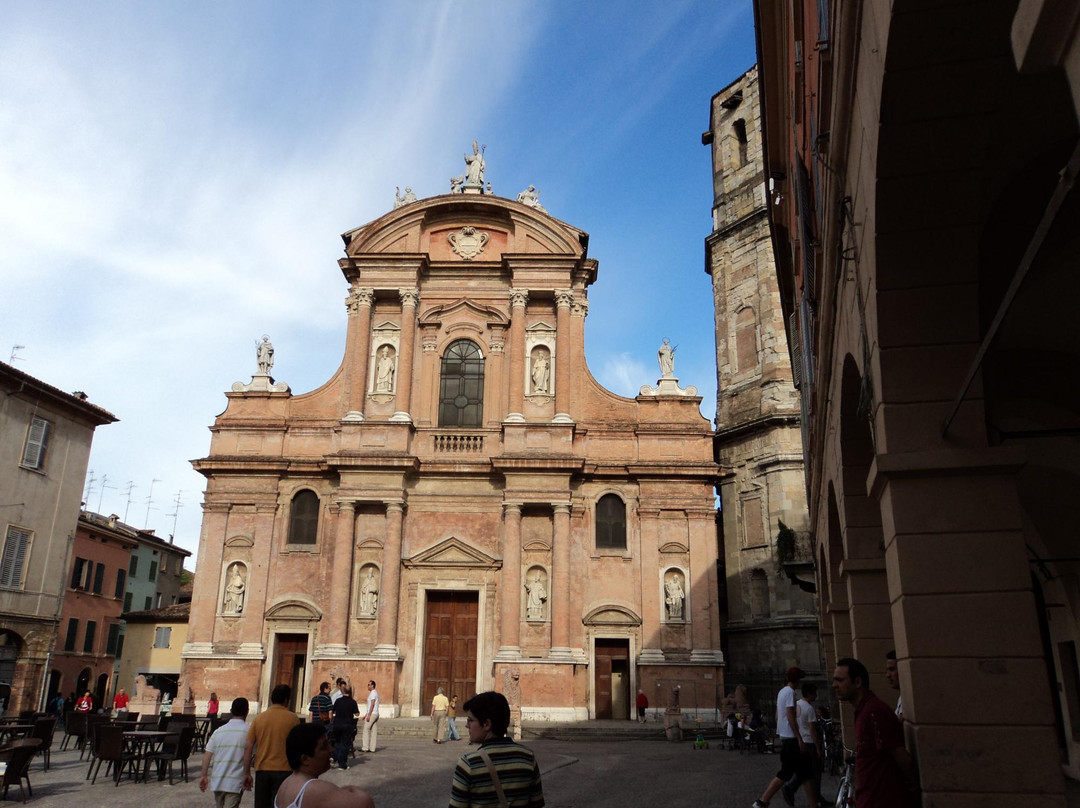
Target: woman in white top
x=308 y=752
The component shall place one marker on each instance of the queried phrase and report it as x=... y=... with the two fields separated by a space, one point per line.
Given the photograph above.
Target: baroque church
x=462 y=505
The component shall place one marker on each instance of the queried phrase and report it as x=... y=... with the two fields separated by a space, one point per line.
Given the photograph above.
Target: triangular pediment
x=453 y=553
x=540 y=327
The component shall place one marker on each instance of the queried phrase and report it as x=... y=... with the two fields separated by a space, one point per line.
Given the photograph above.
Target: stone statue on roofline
x=475 y=166
x=403 y=199
x=530 y=196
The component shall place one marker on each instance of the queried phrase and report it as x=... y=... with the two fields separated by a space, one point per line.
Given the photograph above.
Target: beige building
x=922 y=160
x=45 y=437
x=461 y=504
x=152 y=645
x=770 y=620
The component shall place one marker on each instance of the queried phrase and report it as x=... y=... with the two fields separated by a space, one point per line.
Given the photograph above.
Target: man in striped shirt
x=500 y=772
x=226 y=750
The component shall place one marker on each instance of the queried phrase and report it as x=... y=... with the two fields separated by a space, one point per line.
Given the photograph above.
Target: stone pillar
x=357 y=347
x=335 y=640
x=518 y=300
x=510 y=602
x=564 y=299
x=204 y=608
x=560 y=583
x=578 y=312
x=391 y=582
x=409 y=300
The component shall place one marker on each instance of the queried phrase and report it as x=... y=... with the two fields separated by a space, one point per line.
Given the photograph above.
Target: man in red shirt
x=884 y=773
x=120 y=701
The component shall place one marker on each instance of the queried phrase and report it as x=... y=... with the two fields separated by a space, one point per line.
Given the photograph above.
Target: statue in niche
x=456 y=183
x=666 y=355
x=234 y=592
x=406 y=199
x=384 y=372
x=475 y=165
x=369 y=594
x=537 y=597
x=264 y=355
x=541 y=372
x=674 y=596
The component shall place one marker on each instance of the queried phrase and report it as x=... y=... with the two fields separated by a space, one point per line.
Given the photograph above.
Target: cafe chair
x=74 y=727
x=44 y=729
x=180 y=750
x=18 y=756
x=109 y=747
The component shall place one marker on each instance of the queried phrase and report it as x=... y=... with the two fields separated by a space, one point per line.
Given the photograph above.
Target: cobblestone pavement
x=415 y=773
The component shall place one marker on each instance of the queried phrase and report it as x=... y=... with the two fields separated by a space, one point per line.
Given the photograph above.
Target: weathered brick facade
x=461 y=553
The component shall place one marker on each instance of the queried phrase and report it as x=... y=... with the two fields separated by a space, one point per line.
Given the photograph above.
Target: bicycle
x=834 y=747
x=845 y=794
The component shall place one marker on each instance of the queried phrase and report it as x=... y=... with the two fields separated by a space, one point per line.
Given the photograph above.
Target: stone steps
x=566 y=731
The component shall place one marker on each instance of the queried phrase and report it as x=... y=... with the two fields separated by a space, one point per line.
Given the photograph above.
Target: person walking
x=451 y=724
x=884 y=772
x=343 y=726
x=213 y=706
x=500 y=771
x=266 y=743
x=339 y=689
x=223 y=761
x=371 y=720
x=806 y=717
x=439 y=706
x=642 y=706
x=308 y=753
x=792 y=746
x=320 y=705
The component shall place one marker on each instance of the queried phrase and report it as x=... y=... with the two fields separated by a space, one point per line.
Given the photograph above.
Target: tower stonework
x=771 y=622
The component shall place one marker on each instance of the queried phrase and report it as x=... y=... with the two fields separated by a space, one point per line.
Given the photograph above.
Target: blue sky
x=175 y=176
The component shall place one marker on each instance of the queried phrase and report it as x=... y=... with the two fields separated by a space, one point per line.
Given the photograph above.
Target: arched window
x=304 y=518
x=461 y=388
x=611 y=523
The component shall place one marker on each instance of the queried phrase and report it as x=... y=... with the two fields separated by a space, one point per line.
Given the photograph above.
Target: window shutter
x=796 y=354
x=16 y=547
x=99 y=578
x=36 y=440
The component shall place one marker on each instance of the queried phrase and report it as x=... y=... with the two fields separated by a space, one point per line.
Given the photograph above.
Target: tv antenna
x=104 y=485
x=177 y=505
x=130 y=488
x=15 y=350
x=89 y=487
x=149 y=500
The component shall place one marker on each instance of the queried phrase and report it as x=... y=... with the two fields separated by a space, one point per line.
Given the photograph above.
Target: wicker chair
x=93 y=721
x=109 y=747
x=18 y=756
x=44 y=729
x=176 y=748
x=74 y=727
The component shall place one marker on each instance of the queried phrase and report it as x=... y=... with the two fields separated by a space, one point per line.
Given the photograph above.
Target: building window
x=37 y=440
x=133 y=567
x=740 y=137
x=81 y=573
x=304 y=518
x=610 y=523
x=99 y=578
x=113 y=640
x=461 y=388
x=72 y=632
x=88 y=640
x=153 y=570
x=127 y=601
x=121 y=582
x=759 y=594
x=164 y=564
x=159 y=597
x=16 y=549
x=162 y=635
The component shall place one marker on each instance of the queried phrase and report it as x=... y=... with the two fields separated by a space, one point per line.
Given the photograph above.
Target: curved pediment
x=611 y=614
x=239 y=540
x=423 y=227
x=674 y=547
x=452 y=553
x=293 y=606
x=463 y=307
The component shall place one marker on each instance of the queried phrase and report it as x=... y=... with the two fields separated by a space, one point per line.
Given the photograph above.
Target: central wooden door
x=290 y=665
x=611 y=680
x=450 y=646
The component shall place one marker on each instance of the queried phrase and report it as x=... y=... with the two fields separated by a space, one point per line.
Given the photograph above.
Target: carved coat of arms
x=468 y=243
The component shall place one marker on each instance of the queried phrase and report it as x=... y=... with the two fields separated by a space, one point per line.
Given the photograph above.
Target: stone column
x=510 y=602
x=564 y=299
x=579 y=311
x=335 y=640
x=518 y=300
x=409 y=300
x=560 y=583
x=357 y=347
x=203 y=615
x=391 y=582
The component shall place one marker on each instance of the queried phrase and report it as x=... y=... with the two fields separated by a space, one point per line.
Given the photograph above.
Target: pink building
x=461 y=504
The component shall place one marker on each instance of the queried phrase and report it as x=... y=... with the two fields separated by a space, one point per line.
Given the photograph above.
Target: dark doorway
x=100 y=690
x=612 y=678
x=450 y=646
x=290 y=662
x=82 y=684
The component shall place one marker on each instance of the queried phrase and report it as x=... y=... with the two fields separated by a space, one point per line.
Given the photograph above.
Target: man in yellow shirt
x=266 y=742
x=439 y=706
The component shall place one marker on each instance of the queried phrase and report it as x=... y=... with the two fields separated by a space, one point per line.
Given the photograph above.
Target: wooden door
x=290 y=663
x=450 y=646
x=609 y=656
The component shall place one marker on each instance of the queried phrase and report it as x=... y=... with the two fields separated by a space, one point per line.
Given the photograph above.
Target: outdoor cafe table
x=10 y=730
x=143 y=743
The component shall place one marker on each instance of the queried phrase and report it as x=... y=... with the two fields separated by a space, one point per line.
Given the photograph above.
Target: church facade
x=461 y=505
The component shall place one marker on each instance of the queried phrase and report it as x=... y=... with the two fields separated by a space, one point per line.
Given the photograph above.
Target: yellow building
x=152 y=645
